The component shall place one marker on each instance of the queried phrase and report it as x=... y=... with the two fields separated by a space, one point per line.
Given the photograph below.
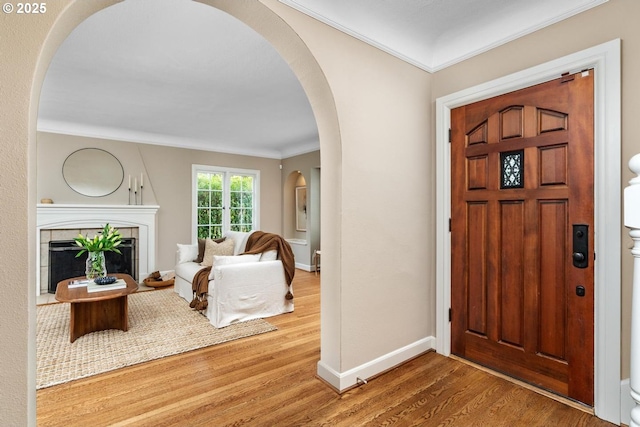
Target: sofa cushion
x=187 y=270
x=269 y=255
x=186 y=253
x=201 y=247
x=219 y=260
x=240 y=259
x=240 y=237
x=212 y=248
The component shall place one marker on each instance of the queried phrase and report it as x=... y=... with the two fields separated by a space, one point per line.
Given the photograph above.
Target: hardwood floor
x=269 y=380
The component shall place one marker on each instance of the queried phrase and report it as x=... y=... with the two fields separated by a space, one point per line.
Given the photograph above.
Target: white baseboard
x=345 y=380
x=626 y=402
x=305 y=267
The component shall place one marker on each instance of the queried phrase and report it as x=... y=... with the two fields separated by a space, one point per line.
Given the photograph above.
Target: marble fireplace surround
x=68 y=216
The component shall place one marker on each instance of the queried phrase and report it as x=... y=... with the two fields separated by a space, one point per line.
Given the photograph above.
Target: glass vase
x=95 y=266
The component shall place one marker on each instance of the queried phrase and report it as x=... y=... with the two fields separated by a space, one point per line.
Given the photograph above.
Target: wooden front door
x=522 y=234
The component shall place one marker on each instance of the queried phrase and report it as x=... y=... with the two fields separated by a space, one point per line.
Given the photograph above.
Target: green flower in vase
x=107 y=240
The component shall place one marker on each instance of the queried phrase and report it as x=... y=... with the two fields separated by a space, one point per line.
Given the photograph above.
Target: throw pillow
x=212 y=248
x=185 y=253
x=269 y=255
x=201 y=248
x=239 y=259
x=241 y=240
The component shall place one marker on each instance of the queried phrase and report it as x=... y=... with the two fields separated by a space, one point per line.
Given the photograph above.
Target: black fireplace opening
x=63 y=263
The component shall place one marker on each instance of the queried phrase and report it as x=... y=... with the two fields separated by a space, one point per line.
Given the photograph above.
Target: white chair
x=241 y=287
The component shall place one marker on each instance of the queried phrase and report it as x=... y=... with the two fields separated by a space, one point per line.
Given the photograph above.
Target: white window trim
x=605 y=59
x=224 y=170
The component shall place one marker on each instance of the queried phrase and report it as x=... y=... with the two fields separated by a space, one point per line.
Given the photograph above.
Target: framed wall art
x=301 y=208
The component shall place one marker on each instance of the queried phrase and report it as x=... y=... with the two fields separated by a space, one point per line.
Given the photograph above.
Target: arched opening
x=267 y=23
x=301 y=215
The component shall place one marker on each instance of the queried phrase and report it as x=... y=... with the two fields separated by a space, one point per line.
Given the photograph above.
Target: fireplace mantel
x=66 y=216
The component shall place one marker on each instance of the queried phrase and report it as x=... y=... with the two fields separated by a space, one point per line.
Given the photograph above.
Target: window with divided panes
x=225 y=199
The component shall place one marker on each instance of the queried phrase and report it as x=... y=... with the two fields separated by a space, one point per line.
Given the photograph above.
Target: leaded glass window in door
x=512 y=169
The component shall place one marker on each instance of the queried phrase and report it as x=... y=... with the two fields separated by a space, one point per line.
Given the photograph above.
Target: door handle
x=580 y=245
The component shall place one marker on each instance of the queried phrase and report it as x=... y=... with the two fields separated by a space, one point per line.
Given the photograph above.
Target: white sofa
x=241 y=287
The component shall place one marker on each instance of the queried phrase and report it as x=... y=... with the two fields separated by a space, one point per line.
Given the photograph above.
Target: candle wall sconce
x=135 y=190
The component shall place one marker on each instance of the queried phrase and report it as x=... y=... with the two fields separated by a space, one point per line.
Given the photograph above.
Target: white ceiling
x=180 y=73
x=434 y=34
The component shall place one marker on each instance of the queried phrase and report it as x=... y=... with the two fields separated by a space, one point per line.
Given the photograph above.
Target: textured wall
x=25 y=56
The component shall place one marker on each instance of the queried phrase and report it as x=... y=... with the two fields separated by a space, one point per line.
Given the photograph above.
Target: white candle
x=129 y=182
x=141 y=180
x=135 y=184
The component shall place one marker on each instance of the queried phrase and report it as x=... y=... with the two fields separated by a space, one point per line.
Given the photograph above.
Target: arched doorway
x=301 y=214
x=60 y=22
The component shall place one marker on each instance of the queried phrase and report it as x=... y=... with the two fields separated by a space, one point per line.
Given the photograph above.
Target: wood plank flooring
x=269 y=380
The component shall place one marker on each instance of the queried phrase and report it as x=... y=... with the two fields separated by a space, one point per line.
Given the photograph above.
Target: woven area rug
x=160 y=324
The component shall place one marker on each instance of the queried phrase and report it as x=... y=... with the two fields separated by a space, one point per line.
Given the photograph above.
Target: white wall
x=387 y=184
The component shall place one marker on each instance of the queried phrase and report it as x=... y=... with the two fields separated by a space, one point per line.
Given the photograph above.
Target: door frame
x=605 y=60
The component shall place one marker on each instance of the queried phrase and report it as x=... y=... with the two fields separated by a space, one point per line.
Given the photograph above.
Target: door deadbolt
x=580 y=290
x=580 y=245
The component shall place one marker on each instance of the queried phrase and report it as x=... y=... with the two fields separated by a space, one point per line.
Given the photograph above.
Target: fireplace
x=63 y=263
x=65 y=221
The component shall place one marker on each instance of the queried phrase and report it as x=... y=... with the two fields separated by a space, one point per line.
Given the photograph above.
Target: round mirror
x=93 y=172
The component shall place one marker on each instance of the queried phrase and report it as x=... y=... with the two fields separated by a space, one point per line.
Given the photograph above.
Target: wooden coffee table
x=96 y=311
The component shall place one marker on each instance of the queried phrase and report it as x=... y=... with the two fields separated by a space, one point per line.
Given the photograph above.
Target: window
x=512 y=169
x=224 y=199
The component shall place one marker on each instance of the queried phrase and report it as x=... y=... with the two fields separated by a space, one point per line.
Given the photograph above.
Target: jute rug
x=160 y=324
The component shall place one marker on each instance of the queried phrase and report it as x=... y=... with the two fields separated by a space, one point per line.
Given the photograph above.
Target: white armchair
x=241 y=287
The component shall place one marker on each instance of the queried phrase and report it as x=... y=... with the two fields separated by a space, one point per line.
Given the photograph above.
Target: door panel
x=511 y=272
x=522 y=175
x=553 y=229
